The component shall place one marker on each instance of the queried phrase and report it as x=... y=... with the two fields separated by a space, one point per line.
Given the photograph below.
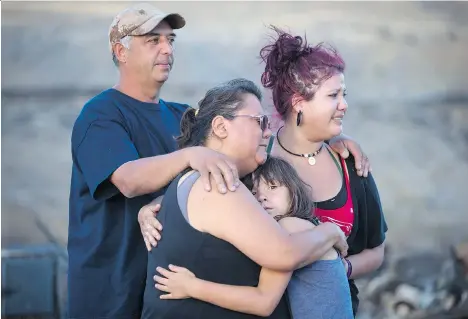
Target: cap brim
x=175 y=21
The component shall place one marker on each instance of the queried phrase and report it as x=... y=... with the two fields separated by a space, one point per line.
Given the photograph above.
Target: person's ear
x=120 y=52
x=297 y=103
x=219 y=126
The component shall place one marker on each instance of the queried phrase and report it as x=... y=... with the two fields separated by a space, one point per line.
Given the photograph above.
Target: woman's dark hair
x=277 y=171
x=294 y=68
x=225 y=100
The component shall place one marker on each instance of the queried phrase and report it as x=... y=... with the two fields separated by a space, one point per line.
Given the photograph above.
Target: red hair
x=293 y=68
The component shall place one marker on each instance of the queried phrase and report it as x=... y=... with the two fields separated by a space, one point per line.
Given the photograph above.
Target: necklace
x=310 y=156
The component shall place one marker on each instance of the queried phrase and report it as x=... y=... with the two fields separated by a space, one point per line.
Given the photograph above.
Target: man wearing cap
x=124 y=155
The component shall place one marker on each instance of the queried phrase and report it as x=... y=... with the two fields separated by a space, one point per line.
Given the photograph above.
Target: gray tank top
x=320 y=291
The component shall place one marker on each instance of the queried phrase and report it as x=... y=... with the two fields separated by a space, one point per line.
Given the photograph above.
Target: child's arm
x=262 y=300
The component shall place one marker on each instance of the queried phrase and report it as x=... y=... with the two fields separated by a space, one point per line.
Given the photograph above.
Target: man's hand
x=344 y=145
x=149 y=225
x=207 y=161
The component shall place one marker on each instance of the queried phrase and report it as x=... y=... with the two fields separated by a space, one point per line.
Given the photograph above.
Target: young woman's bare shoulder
x=295 y=225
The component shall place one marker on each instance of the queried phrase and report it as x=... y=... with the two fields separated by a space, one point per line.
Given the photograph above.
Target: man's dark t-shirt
x=107 y=254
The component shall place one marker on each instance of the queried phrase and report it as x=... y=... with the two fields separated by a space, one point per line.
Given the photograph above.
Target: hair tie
x=196 y=111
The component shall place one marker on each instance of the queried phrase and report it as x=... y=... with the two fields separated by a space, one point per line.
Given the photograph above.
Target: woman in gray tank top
x=319 y=290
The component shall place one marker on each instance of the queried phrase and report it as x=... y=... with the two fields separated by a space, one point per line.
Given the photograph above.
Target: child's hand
x=176 y=282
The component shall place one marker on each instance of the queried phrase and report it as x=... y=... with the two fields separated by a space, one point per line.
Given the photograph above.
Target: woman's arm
x=371 y=258
x=296 y=225
x=262 y=300
x=366 y=261
x=238 y=218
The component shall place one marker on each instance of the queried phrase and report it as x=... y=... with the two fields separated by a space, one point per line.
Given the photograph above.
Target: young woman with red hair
x=308 y=88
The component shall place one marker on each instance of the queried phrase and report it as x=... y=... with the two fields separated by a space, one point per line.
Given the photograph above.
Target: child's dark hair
x=277 y=171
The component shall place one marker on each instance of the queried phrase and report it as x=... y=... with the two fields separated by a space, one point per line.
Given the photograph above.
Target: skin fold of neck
x=144 y=92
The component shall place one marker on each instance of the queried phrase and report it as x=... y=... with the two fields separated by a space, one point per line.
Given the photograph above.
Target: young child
x=319 y=290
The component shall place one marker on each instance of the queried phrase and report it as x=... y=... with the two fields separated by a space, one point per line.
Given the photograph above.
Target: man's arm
x=104 y=152
x=111 y=164
x=147 y=175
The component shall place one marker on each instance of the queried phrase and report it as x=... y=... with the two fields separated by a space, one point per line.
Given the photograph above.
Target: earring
x=299 y=118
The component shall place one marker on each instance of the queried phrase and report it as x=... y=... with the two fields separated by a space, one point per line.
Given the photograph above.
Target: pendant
x=311 y=160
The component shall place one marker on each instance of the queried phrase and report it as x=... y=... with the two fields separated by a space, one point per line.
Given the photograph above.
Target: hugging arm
x=261 y=300
x=103 y=150
x=261 y=239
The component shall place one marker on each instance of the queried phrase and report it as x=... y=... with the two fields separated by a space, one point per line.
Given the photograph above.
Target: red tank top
x=343 y=217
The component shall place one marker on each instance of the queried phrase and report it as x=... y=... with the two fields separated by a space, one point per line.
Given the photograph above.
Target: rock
x=426 y=285
x=461 y=253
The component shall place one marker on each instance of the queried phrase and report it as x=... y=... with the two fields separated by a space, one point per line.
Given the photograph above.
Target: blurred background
x=407 y=79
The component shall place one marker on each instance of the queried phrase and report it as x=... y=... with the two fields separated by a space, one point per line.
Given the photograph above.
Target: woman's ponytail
x=187 y=125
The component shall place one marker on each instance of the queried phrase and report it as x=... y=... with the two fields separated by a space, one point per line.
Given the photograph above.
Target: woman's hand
x=176 y=282
x=344 y=145
x=150 y=227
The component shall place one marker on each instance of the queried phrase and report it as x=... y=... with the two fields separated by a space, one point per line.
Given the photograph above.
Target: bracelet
x=350 y=268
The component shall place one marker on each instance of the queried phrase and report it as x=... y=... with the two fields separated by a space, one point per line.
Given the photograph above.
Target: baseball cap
x=140 y=19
